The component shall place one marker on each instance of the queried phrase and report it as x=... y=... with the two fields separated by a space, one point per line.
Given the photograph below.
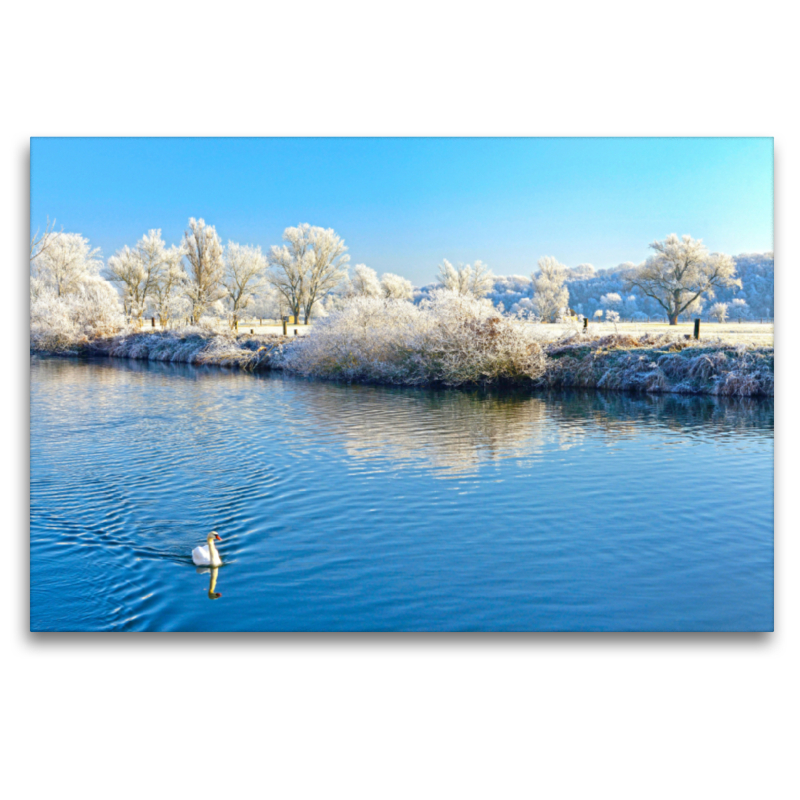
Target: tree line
x=307 y=275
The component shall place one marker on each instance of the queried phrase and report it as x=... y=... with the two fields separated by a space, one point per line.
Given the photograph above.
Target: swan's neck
x=213 y=555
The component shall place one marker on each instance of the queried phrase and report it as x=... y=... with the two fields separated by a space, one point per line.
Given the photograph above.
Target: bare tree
x=203 y=251
x=474 y=281
x=245 y=268
x=680 y=272
x=169 y=297
x=550 y=296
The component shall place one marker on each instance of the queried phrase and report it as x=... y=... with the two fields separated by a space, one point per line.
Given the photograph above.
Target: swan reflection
x=212 y=583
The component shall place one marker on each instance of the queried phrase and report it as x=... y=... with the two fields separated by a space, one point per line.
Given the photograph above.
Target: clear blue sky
x=402 y=205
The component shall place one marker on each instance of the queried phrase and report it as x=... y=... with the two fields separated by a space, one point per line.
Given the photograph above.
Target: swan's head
x=213 y=536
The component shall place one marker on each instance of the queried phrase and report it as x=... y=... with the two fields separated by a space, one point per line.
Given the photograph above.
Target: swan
x=208 y=556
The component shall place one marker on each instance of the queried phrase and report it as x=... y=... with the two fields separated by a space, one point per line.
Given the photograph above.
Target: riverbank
x=653 y=363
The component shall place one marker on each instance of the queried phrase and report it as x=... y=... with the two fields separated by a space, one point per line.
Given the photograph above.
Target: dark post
x=251 y=330
x=284 y=320
x=295 y=331
x=586 y=323
x=697 y=328
x=152 y=322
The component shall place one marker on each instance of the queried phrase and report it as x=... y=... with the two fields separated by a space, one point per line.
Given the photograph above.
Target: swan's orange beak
x=217 y=537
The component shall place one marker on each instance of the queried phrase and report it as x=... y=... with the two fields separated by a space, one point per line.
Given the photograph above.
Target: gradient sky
x=402 y=205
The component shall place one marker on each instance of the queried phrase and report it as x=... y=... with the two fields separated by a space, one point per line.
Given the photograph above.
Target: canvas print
x=401 y=384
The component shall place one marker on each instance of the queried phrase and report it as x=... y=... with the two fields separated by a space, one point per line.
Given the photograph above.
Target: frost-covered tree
x=739 y=308
x=395 y=287
x=203 y=252
x=308 y=267
x=465 y=279
x=69 y=298
x=611 y=300
x=694 y=309
x=680 y=272
x=245 y=271
x=581 y=273
x=550 y=296
x=169 y=301
x=719 y=312
x=65 y=264
x=363 y=282
x=124 y=270
x=328 y=265
x=41 y=241
x=268 y=303
x=136 y=272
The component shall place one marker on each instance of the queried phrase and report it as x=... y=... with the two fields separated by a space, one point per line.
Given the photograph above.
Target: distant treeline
x=592 y=290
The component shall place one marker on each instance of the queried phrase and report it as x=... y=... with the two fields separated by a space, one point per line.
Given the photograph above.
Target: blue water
x=371 y=508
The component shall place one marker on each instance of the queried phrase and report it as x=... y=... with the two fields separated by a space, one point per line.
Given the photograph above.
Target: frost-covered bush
x=92 y=309
x=719 y=312
x=450 y=338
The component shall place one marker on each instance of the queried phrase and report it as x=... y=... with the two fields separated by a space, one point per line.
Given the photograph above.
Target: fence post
x=586 y=323
x=284 y=325
x=295 y=331
x=152 y=322
x=697 y=328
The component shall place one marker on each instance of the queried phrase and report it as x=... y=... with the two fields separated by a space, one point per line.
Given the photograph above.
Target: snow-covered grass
x=749 y=333
x=660 y=363
x=196 y=345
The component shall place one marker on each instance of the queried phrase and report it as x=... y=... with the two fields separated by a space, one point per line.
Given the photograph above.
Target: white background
x=639 y=716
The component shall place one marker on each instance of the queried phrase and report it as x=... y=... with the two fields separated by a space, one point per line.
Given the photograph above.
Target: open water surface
x=373 y=508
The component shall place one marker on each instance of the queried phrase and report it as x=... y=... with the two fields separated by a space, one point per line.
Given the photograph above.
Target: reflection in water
x=455 y=431
x=212 y=584
x=450 y=430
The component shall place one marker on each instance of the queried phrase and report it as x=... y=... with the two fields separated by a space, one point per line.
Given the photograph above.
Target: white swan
x=208 y=556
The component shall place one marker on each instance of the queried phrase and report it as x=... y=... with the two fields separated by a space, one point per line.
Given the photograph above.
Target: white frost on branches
x=245 y=271
x=466 y=280
x=308 y=267
x=363 y=283
x=65 y=264
x=202 y=249
x=719 y=312
x=395 y=287
x=550 y=296
x=69 y=299
x=449 y=338
x=680 y=273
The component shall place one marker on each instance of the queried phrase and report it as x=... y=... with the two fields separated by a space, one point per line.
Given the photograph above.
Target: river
x=373 y=508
